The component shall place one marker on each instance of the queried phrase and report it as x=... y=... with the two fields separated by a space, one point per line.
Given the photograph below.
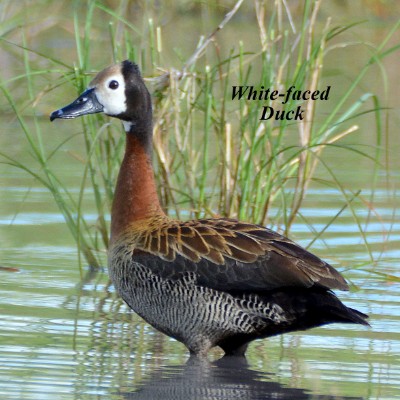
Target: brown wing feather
x=196 y=242
x=217 y=240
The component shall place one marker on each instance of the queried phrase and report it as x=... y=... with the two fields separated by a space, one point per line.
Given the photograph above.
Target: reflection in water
x=227 y=378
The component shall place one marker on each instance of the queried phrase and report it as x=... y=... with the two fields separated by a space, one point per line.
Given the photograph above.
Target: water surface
x=70 y=339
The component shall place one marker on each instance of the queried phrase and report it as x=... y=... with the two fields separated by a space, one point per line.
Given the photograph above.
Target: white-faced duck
x=208 y=282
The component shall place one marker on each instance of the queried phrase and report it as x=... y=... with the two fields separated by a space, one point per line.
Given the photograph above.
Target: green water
x=67 y=336
x=64 y=338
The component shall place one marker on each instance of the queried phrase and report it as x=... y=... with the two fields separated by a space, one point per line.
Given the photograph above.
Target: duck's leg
x=234 y=347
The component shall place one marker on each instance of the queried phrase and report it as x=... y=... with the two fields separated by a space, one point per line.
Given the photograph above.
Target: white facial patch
x=110 y=92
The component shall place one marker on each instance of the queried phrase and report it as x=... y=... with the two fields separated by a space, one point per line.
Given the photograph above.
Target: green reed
x=212 y=154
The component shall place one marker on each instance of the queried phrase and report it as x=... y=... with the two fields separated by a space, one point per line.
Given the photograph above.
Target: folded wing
x=232 y=256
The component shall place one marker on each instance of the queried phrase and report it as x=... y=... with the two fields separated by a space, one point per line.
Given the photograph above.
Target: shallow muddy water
x=66 y=338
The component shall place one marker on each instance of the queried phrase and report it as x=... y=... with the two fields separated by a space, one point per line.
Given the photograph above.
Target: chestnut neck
x=135 y=197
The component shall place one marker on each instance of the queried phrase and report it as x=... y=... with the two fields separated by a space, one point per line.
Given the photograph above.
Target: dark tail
x=349 y=315
x=307 y=308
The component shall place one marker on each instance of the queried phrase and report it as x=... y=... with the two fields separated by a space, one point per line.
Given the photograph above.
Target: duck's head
x=118 y=91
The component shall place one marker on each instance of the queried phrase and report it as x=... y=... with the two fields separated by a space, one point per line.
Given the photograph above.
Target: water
x=67 y=338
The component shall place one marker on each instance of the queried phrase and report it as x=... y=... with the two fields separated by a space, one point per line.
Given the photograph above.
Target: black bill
x=86 y=103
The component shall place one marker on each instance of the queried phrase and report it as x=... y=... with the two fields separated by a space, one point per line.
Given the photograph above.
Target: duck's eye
x=113 y=85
